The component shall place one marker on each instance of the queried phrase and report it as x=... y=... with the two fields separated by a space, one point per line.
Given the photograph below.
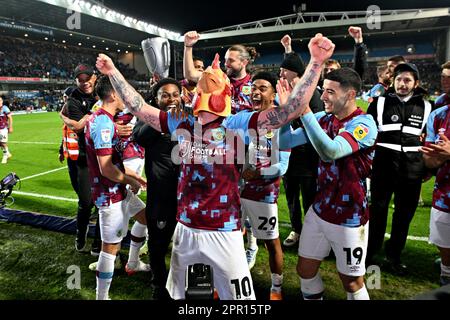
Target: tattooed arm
x=131 y=98
x=320 y=48
x=189 y=71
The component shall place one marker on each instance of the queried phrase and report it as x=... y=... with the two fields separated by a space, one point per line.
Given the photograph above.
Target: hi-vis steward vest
x=70 y=143
x=410 y=125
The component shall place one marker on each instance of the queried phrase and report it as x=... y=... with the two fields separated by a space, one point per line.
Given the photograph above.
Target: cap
x=83 y=69
x=294 y=63
x=406 y=67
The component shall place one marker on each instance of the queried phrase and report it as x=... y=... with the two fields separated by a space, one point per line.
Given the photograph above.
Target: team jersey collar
x=103 y=111
x=355 y=113
x=237 y=83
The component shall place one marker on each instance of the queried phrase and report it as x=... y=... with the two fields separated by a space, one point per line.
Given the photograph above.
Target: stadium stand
x=27 y=58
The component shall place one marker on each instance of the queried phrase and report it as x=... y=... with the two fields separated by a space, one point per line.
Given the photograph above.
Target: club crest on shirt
x=394 y=118
x=218 y=134
x=438 y=139
x=246 y=90
x=106 y=135
x=360 y=132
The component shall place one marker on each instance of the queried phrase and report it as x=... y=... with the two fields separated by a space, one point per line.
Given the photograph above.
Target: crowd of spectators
x=27 y=58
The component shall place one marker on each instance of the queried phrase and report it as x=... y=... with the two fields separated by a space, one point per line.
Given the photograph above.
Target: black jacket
x=304 y=160
x=162 y=174
x=410 y=116
x=360 y=59
x=79 y=105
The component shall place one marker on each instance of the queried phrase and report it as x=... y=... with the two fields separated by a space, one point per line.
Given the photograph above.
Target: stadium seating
x=26 y=58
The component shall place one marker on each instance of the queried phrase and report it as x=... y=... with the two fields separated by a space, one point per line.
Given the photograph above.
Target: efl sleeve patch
x=360 y=132
x=106 y=135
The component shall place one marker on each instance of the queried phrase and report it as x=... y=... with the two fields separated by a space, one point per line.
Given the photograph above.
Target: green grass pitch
x=34 y=263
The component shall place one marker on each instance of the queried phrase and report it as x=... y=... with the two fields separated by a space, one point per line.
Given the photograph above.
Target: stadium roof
x=41 y=19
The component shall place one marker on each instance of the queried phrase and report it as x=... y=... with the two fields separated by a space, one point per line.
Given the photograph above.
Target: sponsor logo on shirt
x=199 y=152
x=269 y=134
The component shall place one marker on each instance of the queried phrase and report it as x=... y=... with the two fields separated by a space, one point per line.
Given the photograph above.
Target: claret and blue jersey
x=346 y=148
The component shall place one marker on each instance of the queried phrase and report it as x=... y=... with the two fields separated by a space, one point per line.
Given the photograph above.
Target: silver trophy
x=157 y=55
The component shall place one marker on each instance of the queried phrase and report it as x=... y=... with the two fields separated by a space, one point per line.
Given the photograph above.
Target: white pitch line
x=43 y=196
x=414 y=238
x=387 y=235
x=33 y=142
x=43 y=173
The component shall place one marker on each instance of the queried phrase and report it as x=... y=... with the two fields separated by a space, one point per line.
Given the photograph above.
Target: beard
x=402 y=95
x=232 y=73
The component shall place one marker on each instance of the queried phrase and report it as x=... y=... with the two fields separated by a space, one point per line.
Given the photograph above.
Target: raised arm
x=189 y=71
x=359 y=55
x=320 y=48
x=286 y=42
x=131 y=98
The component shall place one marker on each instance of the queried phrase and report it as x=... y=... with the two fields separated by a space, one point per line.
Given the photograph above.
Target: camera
x=199 y=282
x=6 y=186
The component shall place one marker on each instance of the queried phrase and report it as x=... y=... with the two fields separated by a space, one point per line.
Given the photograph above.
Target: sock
x=6 y=150
x=361 y=294
x=139 y=231
x=105 y=271
x=312 y=289
x=445 y=270
x=277 y=282
x=251 y=240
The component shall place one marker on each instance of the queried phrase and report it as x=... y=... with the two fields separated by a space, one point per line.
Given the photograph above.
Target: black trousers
x=161 y=214
x=73 y=173
x=406 y=197
x=293 y=185
x=79 y=177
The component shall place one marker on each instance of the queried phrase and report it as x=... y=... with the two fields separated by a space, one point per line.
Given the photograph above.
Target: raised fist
x=191 y=38
x=356 y=33
x=321 y=48
x=286 y=41
x=104 y=64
